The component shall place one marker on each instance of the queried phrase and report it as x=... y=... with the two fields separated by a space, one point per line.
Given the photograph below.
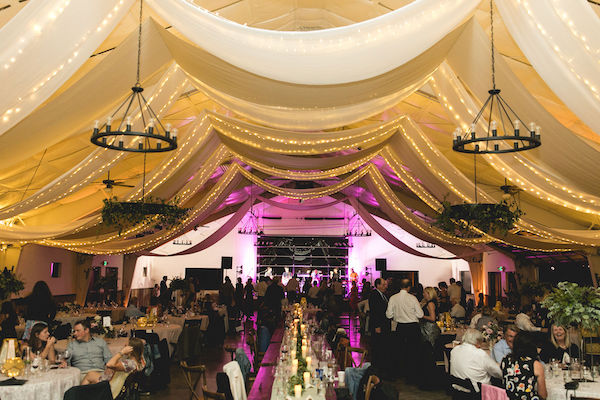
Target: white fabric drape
x=44 y=44
x=561 y=40
x=323 y=57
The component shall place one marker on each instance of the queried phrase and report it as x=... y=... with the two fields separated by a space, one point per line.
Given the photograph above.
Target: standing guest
x=457 y=311
x=41 y=307
x=454 y=290
x=273 y=297
x=306 y=286
x=523 y=374
x=430 y=333
x=366 y=290
x=239 y=295
x=417 y=291
x=523 y=320
x=292 y=288
x=155 y=295
x=560 y=347
x=338 y=291
x=505 y=345
x=41 y=342
x=405 y=310
x=165 y=294
x=379 y=324
x=469 y=361
x=8 y=320
x=313 y=294
x=261 y=289
x=443 y=297
x=87 y=353
x=480 y=302
x=353 y=298
x=226 y=294
x=118 y=368
x=463 y=294
x=249 y=298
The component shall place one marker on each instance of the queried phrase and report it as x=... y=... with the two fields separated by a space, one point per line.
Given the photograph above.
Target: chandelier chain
x=492 y=40
x=139 y=52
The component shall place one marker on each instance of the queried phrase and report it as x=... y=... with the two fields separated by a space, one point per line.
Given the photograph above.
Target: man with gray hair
x=469 y=361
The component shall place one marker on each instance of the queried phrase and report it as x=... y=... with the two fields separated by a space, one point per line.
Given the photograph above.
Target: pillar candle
x=294 y=366
x=308 y=362
x=304 y=348
x=306 y=379
x=298 y=391
x=293 y=352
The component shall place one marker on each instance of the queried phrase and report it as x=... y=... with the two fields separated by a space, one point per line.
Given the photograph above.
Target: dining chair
x=188 y=373
x=371 y=382
x=461 y=389
x=348 y=357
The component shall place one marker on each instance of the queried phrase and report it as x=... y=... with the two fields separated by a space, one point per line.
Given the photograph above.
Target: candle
x=304 y=342
x=294 y=366
x=293 y=352
x=302 y=328
x=298 y=391
x=304 y=348
x=308 y=362
x=306 y=378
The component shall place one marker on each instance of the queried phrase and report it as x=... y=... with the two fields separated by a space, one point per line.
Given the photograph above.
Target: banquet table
x=71 y=318
x=50 y=385
x=263 y=384
x=116 y=313
x=556 y=389
x=181 y=320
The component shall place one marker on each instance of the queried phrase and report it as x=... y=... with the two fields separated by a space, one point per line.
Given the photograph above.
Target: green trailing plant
x=9 y=283
x=459 y=219
x=571 y=304
x=125 y=214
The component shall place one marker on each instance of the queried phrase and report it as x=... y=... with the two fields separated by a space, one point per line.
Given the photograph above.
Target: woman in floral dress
x=523 y=373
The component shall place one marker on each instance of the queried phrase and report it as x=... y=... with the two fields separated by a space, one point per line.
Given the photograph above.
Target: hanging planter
x=459 y=219
x=125 y=214
x=571 y=304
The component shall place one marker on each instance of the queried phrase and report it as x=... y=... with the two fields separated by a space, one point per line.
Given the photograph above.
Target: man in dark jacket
x=379 y=324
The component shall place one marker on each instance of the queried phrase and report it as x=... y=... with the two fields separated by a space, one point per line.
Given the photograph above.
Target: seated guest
x=523 y=320
x=469 y=361
x=560 y=347
x=132 y=310
x=126 y=361
x=8 y=320
x=457 y=311
x=523 y=374
x=504 y=346
x=483 y=318
x=41 y=342
x=87 y=353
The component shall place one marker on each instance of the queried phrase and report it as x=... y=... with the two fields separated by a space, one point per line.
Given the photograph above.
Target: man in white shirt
x=469 y=361
x=454 y=290
x=404 y=309
x=457 y=311
x=523 y=320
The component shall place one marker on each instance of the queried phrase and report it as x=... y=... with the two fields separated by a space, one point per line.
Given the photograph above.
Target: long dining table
x=263 y=385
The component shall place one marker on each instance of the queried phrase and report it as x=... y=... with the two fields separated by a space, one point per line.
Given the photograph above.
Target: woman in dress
x=126 y=361
x=560 y=347
x=41 y=342
x=430 y=333
x=523 y=373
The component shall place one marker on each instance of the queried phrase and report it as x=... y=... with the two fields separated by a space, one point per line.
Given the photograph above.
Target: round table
x=50 y=385
x=556 y=389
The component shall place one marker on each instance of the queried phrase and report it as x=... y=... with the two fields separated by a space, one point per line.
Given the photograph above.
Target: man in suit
x=379 y=324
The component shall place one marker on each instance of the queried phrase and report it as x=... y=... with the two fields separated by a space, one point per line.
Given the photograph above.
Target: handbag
x=430 y=331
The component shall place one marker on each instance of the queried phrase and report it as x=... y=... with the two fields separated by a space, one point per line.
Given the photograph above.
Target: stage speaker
x=381 y=264
x=226 y=262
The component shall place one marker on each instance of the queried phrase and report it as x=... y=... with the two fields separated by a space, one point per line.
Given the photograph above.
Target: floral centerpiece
x=99 y=329
x=491 y=332
x=9 y=283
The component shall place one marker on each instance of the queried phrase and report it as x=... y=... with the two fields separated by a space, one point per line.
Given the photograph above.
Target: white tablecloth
x=71 y=318
x=181 y=320
x=50 y=385
x=556 y=389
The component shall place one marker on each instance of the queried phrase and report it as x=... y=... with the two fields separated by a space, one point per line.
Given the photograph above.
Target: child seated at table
x=126 y=361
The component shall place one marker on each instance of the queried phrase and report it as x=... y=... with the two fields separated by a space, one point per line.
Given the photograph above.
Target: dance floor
x=214 y=358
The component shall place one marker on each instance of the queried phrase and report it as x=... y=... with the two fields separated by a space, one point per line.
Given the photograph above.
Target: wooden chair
x=373 y=380
x=257 y=356
x=348 y=356
x=188 y=372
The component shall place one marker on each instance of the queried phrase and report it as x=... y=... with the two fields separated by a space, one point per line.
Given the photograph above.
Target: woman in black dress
x=559 y=347
x=523 y=373
x=429 y=333
x=249 y=298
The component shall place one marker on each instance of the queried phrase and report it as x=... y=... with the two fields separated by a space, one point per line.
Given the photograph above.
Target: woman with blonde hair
x=559 y=347
x=429 y=332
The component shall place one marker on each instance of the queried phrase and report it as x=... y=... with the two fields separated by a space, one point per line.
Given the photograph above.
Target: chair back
x=96 y=391
x=188 y=373
x=369 y=387
x=349 y=360
x=131 y=387
x=212 y=395
x=461 y=389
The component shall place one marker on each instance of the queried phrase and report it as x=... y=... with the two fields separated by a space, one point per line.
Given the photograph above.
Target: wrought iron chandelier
x=154 y=138
x=508 y=134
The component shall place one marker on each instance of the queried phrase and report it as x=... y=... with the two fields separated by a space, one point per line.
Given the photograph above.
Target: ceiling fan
x=110 y=183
